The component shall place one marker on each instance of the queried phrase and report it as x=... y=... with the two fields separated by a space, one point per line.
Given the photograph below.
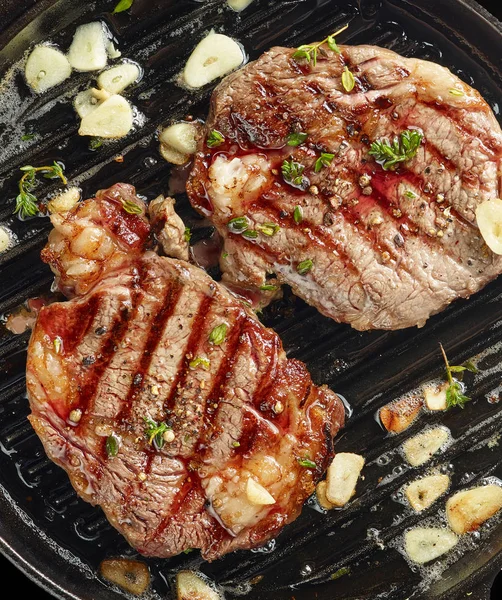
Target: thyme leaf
x=187 y=234
x=298 y=214
x=348 y=80
x=295 y=139
x=323 y=161
x=214 y=139
x=304 y=267
x=155 y=432
x=131 y=207
x=401 y=149
x=307 y=463
x=199 y=360
x=112 y=445
x=218 y=335
x=292 y=172
x=269 y=229
x=122 y=6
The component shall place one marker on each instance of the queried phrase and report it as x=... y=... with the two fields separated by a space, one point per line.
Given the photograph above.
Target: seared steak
x=162 y=396
x=373 y=244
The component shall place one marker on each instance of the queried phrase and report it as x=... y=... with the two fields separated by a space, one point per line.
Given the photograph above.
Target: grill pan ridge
x=59 y=540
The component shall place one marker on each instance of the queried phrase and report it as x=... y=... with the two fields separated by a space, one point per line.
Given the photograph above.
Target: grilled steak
x=374 y=244
x=163 y=396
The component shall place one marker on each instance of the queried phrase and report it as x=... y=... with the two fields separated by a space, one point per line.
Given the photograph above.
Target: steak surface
x=161 y=395
x=379 y=248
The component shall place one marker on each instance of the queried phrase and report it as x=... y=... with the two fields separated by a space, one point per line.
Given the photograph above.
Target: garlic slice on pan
x=88 y=50
x=46 y=67
x=190 y=586
x=238 y=5
x=111 y=119
x=117 y=78
x=88 y=100
x=214 y=56
x=489 y=220
x=424 y=544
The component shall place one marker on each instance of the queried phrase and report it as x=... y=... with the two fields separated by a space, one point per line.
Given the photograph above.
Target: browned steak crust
x=388 y=248
x=126 y=352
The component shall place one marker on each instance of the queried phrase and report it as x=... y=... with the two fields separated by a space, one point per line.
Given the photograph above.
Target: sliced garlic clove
x=181 y=137
x=190 y=586
x=400 y=414
x=173 y=156
x=421 y=447
x=435 y=397
x=238 y=5
x=88 y=100
x=46 y=67
x=321 y=496
x=424 y=544
x=342 y=477
x=88 y=50
x=116 y=79
x=468 y=509
x=214 y=56
x=111 y=119
x=489 y=220
x=131 y=575
x=6 y=238
x=257 y=494
x=425 y=491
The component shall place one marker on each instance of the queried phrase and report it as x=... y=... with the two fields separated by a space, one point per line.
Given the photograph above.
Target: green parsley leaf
x=218 y=335
x=122 y=6
x=401 y=149
x=295 y=139
x=323 y=161
x=304 y=267
x=214 y=139
x=307 y=463
x=348 y=80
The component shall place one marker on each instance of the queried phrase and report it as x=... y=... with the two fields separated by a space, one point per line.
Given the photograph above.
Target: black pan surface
x=57 y=540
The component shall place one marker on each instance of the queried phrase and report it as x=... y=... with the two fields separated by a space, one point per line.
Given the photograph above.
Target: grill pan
x=58 y=540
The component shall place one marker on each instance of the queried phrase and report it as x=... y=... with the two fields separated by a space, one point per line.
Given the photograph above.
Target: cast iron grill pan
x=57 y=539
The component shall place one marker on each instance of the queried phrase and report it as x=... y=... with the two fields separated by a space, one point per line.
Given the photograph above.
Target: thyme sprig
x=310 y=52
x=454 y=392
x=400 y=149
x=26 y=201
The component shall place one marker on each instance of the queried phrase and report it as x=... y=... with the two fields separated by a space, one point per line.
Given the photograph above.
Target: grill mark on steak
x=195 y=334
x=153 y=338
x=88 y=390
